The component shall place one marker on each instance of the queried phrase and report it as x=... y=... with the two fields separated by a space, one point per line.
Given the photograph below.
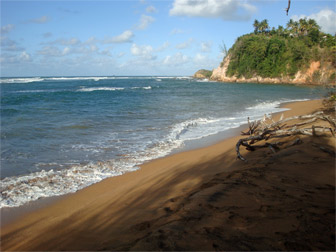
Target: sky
x=135 y=37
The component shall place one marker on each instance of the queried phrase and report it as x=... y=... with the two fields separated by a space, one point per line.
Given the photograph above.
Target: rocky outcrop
x=203 y=74
x=314 y=75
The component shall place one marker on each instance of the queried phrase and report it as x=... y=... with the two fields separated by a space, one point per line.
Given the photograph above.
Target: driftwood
x=261 y=130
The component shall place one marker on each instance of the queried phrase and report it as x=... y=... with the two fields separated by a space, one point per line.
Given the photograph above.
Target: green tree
x=264 y=27
x=303 y=26
x=256 y=26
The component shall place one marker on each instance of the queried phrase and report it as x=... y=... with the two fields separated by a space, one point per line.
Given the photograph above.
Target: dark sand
x=203 y=199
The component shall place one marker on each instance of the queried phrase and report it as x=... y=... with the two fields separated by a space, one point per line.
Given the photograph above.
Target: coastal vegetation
x=282 y=52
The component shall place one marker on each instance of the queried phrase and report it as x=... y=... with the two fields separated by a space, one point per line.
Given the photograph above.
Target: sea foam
x=100 y=89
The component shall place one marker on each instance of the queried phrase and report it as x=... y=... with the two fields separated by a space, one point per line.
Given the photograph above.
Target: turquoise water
x=60 y=134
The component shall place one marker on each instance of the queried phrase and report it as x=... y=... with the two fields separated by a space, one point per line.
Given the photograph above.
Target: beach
x=203 y=199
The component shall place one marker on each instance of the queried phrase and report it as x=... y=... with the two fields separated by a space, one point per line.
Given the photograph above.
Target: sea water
x=61 y=134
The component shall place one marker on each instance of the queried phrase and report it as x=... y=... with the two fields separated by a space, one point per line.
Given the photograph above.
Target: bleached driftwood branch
x=260 y=130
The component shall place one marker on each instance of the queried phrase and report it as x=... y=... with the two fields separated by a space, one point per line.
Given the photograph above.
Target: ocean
x=61 y=134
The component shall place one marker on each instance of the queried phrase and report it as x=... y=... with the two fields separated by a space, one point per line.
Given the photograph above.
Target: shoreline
x=12 y=214
x=103 y=213
x=266 y=82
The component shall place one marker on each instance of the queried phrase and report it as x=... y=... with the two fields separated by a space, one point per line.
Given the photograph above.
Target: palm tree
x=280 y=30
x=290 y=25
x=264 y=27
x=303 y=26
x=312 y=25
x=296 y=27
x=256 y=26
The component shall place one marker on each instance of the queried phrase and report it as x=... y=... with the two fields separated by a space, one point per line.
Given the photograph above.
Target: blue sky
x=137 y=37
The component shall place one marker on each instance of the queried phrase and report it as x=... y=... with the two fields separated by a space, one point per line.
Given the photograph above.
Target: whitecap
x=100 y=89
x=21 y=80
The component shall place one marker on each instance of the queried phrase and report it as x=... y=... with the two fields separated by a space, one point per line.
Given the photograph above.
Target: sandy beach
x=203 y=199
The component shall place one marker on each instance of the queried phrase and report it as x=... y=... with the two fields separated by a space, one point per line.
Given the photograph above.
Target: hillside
x=299 y=53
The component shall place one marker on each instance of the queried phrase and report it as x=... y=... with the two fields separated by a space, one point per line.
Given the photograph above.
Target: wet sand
x=203 y=199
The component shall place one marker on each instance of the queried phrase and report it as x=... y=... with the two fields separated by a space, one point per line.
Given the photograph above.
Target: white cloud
x=7 y=28
x=225 y=9
x=13 y=48
x=151 y=9
x=164 y=46
x=143 y=51
x=125 y=37
x=53 y=51
x=9 y=45
x=93 y=48
x=41 y=20
x=175 y=60
x=71 y=41
x=204 y=61
x=6 y=58
x=325 y=18
x=199 y=58
x=206 y=46
x=91 y=40
x=185 y=44
x=24 y=56
x=66 y=51
x=105 y=52
x=121 y=54
x=145 y=21
x=50 y=51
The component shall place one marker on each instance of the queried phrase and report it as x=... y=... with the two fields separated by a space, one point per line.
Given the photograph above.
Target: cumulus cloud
x=185 y=44
x=225 y=9
x=145 y=21
x=325 y=18
x=143 y=51
x=40 y=20
x=175 y=60
x=7 y=28
x=15 y=58
x=125 y=37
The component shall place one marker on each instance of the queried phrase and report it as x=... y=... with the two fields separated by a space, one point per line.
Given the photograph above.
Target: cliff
x=315 y=74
